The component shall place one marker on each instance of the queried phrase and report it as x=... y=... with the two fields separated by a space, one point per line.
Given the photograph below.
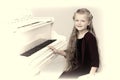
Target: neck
x=82 y=33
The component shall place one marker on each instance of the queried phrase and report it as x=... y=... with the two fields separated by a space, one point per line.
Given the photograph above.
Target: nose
x=79 y=23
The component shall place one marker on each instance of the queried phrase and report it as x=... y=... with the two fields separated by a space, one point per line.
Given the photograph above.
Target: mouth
x=79 y=26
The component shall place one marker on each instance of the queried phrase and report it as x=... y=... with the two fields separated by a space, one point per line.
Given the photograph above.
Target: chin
x=79 y=29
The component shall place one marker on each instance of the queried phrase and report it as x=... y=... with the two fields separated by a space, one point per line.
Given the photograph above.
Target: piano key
x=35 y=49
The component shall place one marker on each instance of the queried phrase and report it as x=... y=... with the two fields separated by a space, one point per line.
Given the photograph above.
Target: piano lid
x=33 y=34
x=28 y=24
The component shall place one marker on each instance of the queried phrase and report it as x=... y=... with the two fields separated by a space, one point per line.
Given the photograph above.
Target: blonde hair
x=71 y=48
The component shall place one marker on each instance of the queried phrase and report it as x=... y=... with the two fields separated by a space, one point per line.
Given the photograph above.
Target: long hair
x=71 y=47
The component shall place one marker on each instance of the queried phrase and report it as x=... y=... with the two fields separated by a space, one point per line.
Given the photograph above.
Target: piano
x=32 y=38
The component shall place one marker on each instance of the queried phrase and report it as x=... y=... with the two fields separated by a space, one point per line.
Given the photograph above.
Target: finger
x=51 y=47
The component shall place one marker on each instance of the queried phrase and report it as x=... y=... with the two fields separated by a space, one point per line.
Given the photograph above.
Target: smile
x=79 y=26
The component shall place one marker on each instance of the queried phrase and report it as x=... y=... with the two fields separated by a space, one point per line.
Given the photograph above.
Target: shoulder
x=89 y=36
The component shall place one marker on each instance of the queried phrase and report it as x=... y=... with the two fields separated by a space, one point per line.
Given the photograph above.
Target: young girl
x=82 y=50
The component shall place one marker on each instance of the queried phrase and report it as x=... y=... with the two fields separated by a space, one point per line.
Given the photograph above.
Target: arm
x=60 y=52
x=94 y=54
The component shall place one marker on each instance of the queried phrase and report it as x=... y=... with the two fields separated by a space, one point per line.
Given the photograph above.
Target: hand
x=53 y=49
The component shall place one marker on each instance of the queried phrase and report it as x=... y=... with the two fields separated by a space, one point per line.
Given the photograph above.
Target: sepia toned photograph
x=59 y=40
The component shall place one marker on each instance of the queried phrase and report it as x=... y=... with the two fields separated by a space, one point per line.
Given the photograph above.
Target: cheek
x=86 y=24
x=75 y=23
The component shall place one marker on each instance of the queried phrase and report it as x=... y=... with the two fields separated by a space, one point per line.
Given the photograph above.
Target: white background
x=106 y=22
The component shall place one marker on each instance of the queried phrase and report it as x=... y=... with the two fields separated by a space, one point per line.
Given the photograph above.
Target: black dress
x=82 y=69
x=86 y=56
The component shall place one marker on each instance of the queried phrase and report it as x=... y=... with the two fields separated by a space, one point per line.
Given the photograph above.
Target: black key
x=35 y=49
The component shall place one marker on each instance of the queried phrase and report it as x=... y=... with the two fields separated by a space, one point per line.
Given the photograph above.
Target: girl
x=82 y=51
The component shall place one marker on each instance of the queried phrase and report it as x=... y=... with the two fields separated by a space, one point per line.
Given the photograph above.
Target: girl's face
x=81 y=21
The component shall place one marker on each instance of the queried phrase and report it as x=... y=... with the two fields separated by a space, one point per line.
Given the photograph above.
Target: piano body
x=35 y=60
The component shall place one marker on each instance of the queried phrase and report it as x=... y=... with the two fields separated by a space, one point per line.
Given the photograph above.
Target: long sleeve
x=93 y=50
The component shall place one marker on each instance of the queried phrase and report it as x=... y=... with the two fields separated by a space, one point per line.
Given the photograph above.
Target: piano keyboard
x=35 y=49
x=41 y=58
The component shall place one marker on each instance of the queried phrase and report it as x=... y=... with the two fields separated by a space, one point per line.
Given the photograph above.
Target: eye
x=83 y=20
x=76 y=20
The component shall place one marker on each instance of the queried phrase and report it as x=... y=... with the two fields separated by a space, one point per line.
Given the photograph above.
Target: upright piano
x=32 y=38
